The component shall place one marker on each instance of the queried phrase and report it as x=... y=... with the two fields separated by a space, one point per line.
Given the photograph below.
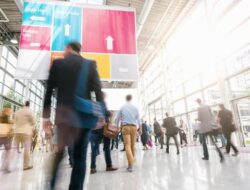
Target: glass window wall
x=15 y=89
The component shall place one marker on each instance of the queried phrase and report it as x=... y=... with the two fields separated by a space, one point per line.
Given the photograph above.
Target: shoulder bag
x=88 y=111
x=111 y=131
x=6 y=130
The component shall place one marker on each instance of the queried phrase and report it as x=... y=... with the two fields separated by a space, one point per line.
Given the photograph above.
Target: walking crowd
x=82 y=118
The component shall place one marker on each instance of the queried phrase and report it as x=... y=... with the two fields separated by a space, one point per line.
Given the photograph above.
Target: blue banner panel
x=67 y=26
x=38 y=14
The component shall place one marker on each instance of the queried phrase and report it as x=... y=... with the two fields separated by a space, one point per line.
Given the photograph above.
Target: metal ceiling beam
x=188 y=7
x=147 y=6
x=4 y=16
x=19 y=4
x=160 y=22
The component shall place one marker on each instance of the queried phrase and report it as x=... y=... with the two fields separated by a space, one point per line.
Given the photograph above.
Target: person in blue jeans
x=96 y=137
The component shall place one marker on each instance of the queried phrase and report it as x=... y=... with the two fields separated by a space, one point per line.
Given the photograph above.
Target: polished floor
x=154 y=170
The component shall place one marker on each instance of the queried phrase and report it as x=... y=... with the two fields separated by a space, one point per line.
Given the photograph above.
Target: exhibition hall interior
x=124 y=94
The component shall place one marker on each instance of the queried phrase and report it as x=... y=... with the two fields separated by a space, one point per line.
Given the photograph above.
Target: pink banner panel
x=35 y=38
x=109 y=31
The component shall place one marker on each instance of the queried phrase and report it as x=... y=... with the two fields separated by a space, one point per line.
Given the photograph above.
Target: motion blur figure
x=207 y=121
x=182 y=132
x=159 y=135
x=96 y=136
x=225 y=118
x=129 y=118
x=6 y=135
x=170 y=124
x=24 y=128
x=220 y=133
x=145 y=135
x=63 y=77
x=48 y=141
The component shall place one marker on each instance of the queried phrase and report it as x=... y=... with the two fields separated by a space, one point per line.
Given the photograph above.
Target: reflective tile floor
x=154 y=170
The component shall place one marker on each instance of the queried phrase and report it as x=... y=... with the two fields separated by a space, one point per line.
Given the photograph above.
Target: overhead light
x=151 y=47
x=14 y=40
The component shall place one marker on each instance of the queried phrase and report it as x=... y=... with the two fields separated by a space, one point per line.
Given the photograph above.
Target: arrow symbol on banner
x=109 y=40
x=35 y=44
x=37 y=18
x=67 y=30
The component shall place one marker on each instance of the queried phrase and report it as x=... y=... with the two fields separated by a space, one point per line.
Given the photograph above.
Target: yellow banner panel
x=103 y=63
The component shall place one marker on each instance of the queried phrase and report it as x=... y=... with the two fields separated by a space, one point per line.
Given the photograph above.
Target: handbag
x=216 y=129
x=111 y=131
x=150 y=142
x=175 y=130
x=233 y=127
x=88 y=111
x=6 y=130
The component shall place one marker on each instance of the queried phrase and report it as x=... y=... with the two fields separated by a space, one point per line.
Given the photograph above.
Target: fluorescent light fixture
x=14 y=40
x=151 y=47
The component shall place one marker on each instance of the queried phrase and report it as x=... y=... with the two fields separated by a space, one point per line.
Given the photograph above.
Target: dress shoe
x=235 y=154
x=111 y=169
x=222 y=159
x=130 y=169
x=205 y=158
x=28 y=168
x=93 y=171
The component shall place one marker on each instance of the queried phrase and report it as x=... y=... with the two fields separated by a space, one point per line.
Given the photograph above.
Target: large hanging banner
x=107 y=35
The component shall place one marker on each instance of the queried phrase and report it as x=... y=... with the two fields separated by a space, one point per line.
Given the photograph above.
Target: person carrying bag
x=6 y=136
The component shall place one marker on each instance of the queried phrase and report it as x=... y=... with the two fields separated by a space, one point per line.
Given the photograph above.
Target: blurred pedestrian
x=48 y=141
x=225 y=118
x=219 y=132
x=115 y=143
x=34 y=139
x=150 y=133
x=96 y=137
x=207 y=121
x=54 y=139
x=129 y=118
x=169 y=124
x=6 y=135
x=182 y=133
x=73 y=125
x=144 y=135
x=159 y=135
x=25 y=122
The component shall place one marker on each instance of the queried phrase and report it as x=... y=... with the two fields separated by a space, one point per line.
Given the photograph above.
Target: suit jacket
x=226 y=120
x=170 y=124
x=24 y=121
x=157 y=128
x=63 y=77
x=206 y=118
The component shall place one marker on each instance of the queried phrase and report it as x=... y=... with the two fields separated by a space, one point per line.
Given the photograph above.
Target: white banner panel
x=116 y=98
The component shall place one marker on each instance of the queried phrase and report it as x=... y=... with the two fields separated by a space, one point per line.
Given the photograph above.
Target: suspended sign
x=107 y=35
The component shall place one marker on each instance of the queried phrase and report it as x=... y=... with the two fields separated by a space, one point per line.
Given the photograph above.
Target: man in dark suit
x=207 y=122
x=225 y=117
x=170 y=124
x=63 y=78
x=159 y=136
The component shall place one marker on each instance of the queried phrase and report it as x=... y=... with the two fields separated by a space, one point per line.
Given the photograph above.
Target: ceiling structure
x=156 y=20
